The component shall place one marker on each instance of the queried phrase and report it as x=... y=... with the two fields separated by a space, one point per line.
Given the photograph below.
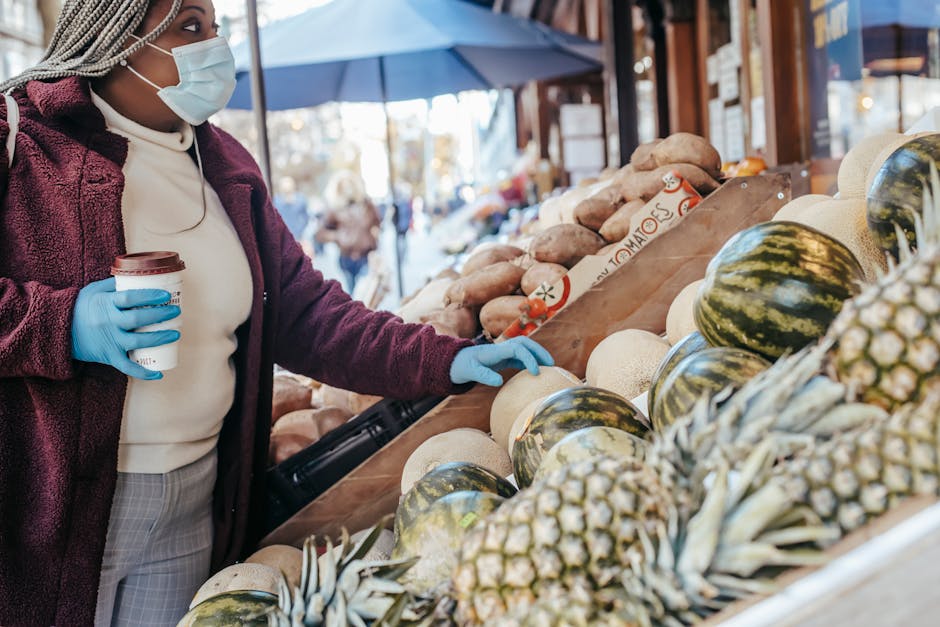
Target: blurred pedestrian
x=352 y=223
x=404 y=212
x=293 y=209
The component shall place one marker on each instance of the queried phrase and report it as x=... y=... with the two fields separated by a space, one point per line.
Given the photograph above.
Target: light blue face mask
x=207 y=79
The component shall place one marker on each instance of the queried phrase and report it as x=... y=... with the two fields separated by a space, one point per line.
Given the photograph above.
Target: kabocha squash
x=689 y=345
x=444 y=480
x=897 y=192
x=706 y=372
x=243 y=609
x=775 y=287
x=590 y=444
x=565 y=412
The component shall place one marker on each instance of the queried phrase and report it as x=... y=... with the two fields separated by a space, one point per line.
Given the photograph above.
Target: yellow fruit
x=282 y=558
x=853 y=171
x=797 y=205
x=460 y=445
x=238 y=577
x=680 y=321
x=847 y=221
x=624 y=363
x=521 y=390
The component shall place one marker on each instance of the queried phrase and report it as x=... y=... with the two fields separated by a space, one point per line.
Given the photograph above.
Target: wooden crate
x=887 y=573
x=636 y=296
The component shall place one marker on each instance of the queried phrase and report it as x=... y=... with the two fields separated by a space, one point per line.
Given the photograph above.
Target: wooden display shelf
x=635 y=296
x=886 y=573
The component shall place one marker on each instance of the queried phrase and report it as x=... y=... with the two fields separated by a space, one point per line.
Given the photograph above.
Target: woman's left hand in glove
x=483 y=363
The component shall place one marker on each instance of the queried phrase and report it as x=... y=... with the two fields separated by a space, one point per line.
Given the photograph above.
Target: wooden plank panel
x=636 y=296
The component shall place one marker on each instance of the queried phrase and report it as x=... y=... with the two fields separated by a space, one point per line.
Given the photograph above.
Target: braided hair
x=89 y=38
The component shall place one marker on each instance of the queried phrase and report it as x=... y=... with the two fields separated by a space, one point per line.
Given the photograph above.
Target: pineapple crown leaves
x=341 y=589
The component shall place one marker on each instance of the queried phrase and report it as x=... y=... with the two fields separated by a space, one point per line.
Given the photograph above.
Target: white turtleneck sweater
x=175 y=421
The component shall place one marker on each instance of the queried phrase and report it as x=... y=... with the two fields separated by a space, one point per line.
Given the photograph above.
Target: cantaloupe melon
x=853 y=171
x=797 y=205
x=521 y=390
x=847 y=221
x=624 y=362
x=282 y=558
x=462 y=445
x=680 y=321
x=238 y=577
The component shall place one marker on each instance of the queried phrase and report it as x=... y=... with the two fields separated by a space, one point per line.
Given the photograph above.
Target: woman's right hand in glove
x=104 y=320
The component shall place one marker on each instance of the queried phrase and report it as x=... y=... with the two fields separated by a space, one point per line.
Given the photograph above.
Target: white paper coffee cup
x=160 y=270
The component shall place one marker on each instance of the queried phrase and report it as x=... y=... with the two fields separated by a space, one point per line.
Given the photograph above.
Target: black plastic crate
x=296 y=482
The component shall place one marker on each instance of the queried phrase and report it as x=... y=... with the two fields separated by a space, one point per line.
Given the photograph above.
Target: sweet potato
x=499 y=313
x=448 y=273
x=688 y=148
x=566 y=244
x=490 y=256
x=461 y=322
x=285 y=445
x=593 y=211
x=618 y=226
x=541 y=274
x=289 y=395
x=642 y=158
x=500 y=279
x=645 y=185
x=312 y=423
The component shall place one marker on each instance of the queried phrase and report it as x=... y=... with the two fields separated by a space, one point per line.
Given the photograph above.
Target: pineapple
x=888 y=339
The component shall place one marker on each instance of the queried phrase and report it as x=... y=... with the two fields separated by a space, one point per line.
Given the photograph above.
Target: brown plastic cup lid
x=145 y=264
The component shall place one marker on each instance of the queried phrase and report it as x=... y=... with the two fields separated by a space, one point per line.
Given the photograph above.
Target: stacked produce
x=804 y=402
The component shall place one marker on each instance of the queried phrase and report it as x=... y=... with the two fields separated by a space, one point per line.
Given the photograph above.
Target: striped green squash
x=775 y=288
x=897 y=191
x=447 y=479
x=435 y=536
x=243 y=608
x=704 y=373
x=567 y=411
x=689 y=345
x=590 y=444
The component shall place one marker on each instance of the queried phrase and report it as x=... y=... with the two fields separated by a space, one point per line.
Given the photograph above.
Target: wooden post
x=624 y=85
x=780 y=27
x=682 y=60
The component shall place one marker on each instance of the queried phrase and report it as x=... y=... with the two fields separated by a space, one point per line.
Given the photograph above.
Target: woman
x=352 y=223
x=113 y=155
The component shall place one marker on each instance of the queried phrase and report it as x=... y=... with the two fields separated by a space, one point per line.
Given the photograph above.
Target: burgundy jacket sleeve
x=36 y=330
x=35 y=319
x=324 y=334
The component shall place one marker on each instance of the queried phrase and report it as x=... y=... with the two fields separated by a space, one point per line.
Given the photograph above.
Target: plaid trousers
x=158 y=547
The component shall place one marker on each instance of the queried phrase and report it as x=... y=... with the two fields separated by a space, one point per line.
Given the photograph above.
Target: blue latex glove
x=483 y=363
x=103 y=321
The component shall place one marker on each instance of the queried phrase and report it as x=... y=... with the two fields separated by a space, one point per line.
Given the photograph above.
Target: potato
x=354 y=403
x=688 y=148
x=566 y=244
x=642 y=158
x=312 y=423
x=618 y=226
x=593 y=211
x=447 y=273
x=500 y=279
x=286 y=445
x=501 y=312
x=490 y=256
x=645 y=185
x=289 y=395
x=541 y=274
x=463 y=322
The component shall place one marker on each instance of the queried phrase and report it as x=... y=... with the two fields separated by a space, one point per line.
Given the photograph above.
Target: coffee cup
x=161 y=270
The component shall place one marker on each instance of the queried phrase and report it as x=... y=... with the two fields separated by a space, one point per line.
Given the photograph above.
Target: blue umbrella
x=905 y=13
x=389 y=50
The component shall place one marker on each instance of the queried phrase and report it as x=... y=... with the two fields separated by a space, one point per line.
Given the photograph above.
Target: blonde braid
x=89 y=39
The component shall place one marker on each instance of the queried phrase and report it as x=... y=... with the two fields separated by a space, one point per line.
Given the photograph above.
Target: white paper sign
x=711 y=69
x=758 y=123
x=728 y=88
x=716 y=126
x=734 y=133
x=585 y=153
x=580 y=120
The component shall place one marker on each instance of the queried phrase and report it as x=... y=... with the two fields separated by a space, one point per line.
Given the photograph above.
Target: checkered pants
x=158 y=547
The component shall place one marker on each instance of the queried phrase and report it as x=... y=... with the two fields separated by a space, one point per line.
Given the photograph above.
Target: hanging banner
x=834 y=38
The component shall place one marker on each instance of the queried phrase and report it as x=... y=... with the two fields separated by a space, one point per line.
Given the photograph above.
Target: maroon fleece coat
x=60 y=228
